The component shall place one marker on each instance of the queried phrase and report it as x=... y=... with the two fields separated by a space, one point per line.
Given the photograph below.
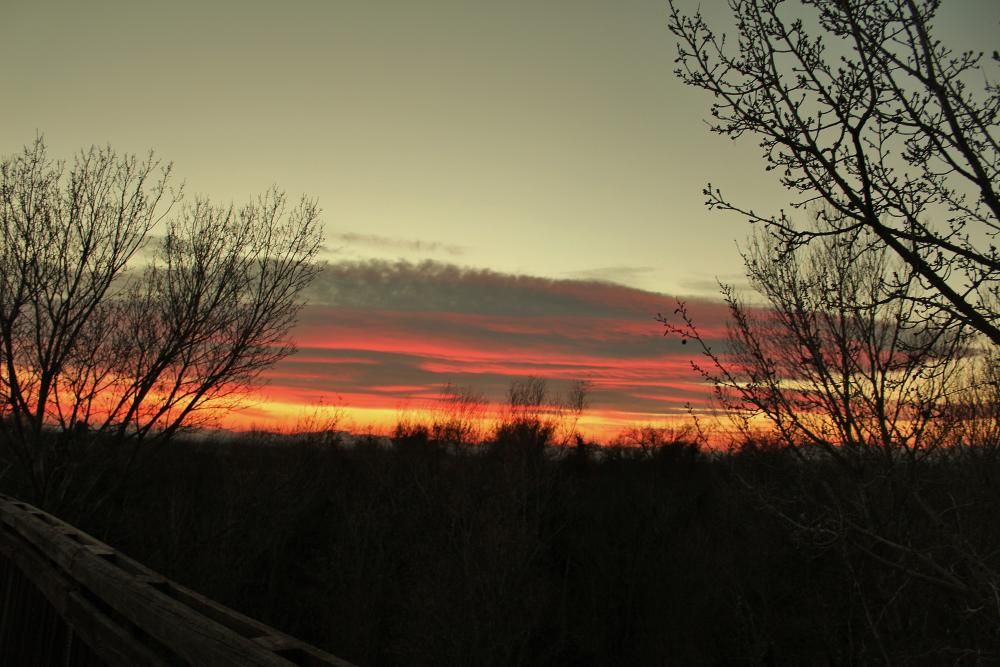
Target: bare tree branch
x=91 y=344
x=859 y=106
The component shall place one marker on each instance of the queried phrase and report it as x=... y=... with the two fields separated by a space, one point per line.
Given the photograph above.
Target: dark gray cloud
x=436 y=286
x=379 y=331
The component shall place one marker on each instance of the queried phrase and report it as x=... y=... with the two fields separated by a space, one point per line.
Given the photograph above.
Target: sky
x=508 y=188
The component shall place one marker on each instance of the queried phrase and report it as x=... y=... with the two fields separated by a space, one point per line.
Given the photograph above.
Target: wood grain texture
x=129 y=614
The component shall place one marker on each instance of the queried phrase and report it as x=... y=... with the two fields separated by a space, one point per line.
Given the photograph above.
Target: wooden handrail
x=127 y=614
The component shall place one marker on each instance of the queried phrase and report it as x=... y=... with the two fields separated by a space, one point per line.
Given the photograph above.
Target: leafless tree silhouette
x=858 y=106
x=828 y=360
x=844 y=376
x=94 y=347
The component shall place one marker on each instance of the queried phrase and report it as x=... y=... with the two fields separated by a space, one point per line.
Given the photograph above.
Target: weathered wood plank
x=130 y=614
x=47 y=578
x=118 y=647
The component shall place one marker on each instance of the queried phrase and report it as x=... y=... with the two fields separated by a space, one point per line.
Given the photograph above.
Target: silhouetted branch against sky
x=527 y=141
x=870 y=120
x=90 y=345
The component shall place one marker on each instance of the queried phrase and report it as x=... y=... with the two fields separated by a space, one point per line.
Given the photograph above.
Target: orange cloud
x=380 y=336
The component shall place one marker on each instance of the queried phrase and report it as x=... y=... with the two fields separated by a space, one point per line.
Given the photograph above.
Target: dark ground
x=422 y=553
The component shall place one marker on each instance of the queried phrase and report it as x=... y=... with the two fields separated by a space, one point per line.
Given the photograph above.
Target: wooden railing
x=68 y=599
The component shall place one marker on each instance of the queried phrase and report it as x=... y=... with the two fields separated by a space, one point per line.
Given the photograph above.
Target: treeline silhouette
x=515 y=552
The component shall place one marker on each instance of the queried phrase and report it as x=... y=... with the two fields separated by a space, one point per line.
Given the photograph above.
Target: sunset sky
x=508 y=188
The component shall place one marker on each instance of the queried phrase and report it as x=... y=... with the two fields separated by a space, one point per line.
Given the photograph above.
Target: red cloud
x=377 y=358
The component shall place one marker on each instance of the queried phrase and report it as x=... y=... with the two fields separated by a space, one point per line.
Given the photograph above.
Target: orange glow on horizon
x=365 y=369
x=267 y=414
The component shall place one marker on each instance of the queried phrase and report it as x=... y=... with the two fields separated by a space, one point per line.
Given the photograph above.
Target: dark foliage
x=422 y=553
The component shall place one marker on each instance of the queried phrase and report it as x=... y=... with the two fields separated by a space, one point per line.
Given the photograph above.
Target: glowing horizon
x=380 y=340
x=507 y=189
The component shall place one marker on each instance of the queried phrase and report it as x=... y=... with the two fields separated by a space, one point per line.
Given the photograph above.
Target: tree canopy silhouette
x=859 y=107
x=95 y=344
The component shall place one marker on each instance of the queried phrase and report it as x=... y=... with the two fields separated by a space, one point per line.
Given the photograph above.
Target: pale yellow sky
x=539 y=137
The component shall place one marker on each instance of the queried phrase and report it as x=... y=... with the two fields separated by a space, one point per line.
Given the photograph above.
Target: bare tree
x=526 y=421
x=859 y=106
x=96 y=348
x=575 y=403
x=830 y=365
x=459 y=416
x=975 y=413
x=828 y=360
